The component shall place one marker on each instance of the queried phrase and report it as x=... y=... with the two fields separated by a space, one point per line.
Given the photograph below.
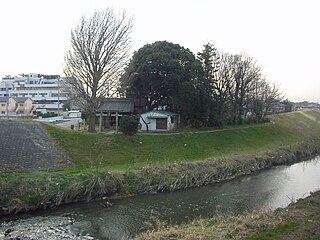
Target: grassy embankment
x=115 y=164
x=122 y=153
x=298 y=221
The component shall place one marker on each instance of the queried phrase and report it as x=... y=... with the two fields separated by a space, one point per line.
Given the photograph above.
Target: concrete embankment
x=56 y=188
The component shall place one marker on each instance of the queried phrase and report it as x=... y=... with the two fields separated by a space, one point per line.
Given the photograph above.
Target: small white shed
x=158 y=121
x=74 y=114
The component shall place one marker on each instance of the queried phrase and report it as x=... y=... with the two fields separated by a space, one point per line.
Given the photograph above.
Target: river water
x=268 y=189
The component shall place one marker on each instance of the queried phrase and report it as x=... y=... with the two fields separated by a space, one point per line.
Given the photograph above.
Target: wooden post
x=117 y=124
x=108 y=120
x=100 y=122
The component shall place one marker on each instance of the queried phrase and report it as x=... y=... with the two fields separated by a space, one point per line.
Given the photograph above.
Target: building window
x=3 y=112
x=3 y=104
x=21 y=104
x=161 y=123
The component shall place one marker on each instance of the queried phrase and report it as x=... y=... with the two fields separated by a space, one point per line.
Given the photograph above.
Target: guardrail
x=51 y=119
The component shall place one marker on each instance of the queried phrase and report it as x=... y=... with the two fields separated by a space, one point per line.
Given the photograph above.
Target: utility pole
x=58 y=96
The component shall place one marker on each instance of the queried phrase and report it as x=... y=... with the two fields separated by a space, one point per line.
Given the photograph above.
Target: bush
x=44 y=115
x=129 y=125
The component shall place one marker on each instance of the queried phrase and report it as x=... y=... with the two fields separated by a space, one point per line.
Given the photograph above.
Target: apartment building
x=46 y=91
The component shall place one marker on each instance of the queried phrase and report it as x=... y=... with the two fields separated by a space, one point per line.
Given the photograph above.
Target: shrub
x=129 y=125
x=44 y=115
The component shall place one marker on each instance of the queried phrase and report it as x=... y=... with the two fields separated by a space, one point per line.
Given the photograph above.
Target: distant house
x=16 y=106
x=278 y=107
x=7 y=105
x=159 y=121
x=307 y=105
x=112 y=110
x=23 y=105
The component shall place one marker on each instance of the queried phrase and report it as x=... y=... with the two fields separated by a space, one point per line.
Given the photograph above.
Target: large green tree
x=168 y=76
x=211 y=89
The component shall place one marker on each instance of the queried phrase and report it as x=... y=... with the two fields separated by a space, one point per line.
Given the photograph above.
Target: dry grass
x=222 y=227
x=299 y=220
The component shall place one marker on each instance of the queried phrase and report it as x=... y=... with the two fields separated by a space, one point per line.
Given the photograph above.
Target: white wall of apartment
x=45 y=90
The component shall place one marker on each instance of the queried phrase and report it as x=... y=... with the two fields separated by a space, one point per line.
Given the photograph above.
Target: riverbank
x=299 y=220
x=113 y=166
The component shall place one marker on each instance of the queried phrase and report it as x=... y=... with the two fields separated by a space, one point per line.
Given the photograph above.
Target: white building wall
x=6 y=85
x=151 y=119
x=152 y=126
x=44 y=90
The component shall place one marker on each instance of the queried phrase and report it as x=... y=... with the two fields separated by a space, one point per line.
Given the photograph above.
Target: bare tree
x=222 y=83
x=245 y=73
x=270 y=96
x=100 y=47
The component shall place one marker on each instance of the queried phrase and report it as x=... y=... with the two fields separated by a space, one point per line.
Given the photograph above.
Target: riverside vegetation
x=113 y=165
x=299 y=220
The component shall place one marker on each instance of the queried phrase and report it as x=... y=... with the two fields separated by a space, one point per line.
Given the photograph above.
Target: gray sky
x=282 y=35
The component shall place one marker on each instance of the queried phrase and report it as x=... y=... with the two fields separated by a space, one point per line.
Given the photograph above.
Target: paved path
x=68 y=122
x=27 y=146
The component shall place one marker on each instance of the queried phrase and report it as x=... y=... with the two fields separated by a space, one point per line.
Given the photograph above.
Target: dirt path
x=27 y=146
x=305 y=113
x=207 y=131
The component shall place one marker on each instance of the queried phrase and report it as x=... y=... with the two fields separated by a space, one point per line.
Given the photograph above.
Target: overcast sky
x=282 y=35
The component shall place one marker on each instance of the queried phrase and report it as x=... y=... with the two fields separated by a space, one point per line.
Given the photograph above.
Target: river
x=268 y=189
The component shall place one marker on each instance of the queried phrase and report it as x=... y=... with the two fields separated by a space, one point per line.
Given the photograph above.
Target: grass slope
x=104 y=163
x=117 y=152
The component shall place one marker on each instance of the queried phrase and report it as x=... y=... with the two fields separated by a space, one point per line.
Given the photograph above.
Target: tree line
x=210 y=88
x=207 y=89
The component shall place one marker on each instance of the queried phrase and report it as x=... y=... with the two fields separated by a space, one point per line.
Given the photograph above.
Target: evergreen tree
x=166 y=76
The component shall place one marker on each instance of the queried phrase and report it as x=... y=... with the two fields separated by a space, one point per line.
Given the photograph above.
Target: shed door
x=161 y=123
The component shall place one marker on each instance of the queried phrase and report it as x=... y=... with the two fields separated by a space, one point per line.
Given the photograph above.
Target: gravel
x=36 y=228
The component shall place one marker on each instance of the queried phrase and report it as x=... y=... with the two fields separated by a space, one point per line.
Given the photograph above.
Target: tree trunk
x=147 y=127
x=92 y=121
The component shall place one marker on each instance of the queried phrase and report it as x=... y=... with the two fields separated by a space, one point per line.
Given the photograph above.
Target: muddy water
x=268 y=189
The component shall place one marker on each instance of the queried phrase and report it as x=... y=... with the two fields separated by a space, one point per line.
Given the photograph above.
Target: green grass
x=96 y=154
x=279 y=232
x=118 y=152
